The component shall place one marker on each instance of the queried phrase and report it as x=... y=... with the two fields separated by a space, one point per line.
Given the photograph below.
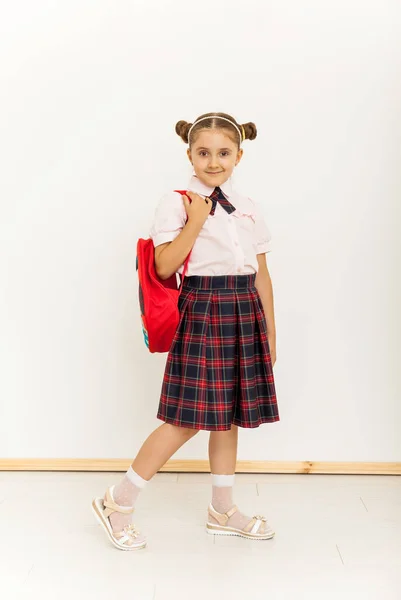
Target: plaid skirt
x=218 y=369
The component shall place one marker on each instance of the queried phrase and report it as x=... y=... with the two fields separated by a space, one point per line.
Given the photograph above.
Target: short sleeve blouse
x=227 y=244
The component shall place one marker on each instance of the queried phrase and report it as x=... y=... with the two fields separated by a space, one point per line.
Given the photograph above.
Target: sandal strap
x=111 y=506
x=255 y=524
x=222 y=518
x=250 y=525
x=127 y=534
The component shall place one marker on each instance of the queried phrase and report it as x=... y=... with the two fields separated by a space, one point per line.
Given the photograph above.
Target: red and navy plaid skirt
x=218 y=369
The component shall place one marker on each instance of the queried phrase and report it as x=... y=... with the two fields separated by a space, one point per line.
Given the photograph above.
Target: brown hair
x=182 y=127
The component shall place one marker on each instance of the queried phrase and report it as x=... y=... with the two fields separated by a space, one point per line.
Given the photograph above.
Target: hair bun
x=250 y=131
x=182 y=128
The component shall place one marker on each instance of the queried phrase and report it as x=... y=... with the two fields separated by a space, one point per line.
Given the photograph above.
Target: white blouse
x=227 y=244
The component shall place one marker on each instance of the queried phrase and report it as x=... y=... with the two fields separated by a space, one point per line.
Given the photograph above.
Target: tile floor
x=337 y=536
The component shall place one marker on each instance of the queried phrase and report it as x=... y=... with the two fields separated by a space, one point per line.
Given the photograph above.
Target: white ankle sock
x=223 y=480
x=222 y=500
x=135 y=478
x=125 y=493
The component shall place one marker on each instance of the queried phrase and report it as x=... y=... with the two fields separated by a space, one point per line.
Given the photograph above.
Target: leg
x=223 y=447
x=154 y=453
x=223 y=451
x=159 y=447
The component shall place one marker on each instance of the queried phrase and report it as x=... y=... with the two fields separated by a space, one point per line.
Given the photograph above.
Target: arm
x=170 y=256
x=264 y=286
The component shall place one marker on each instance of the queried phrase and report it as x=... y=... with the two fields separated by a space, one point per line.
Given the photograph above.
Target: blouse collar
x=197 y=186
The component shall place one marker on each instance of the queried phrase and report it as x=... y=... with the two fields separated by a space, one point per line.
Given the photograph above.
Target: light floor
x=337 y=536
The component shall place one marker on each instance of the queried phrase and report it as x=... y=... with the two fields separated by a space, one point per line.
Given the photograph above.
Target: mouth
x=217 y=173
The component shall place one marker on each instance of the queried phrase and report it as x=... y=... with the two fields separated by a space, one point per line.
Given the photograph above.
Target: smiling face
x=214 y=156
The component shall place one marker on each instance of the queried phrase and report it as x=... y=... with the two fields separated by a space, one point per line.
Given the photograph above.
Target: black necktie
x=218 y=196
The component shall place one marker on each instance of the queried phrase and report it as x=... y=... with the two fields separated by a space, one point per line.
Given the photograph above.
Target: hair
x=182 y=128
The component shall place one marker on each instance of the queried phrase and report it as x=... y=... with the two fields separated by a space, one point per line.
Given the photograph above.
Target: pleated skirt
x=218 y=370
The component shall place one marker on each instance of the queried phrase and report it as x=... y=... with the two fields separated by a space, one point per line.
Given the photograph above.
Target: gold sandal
x=256 y=529
x=126 y=539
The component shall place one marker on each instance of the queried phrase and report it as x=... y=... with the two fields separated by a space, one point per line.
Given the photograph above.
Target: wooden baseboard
x=202 y=466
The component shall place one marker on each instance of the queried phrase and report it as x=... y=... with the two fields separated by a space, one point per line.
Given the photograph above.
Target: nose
x=213 y=163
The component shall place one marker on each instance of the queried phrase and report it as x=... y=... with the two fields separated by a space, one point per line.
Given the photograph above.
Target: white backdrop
x=90 y=93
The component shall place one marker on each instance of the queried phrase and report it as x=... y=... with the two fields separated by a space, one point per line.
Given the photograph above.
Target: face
x=214 y=156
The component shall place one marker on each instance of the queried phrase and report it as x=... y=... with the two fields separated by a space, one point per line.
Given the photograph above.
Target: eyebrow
x=203 y=148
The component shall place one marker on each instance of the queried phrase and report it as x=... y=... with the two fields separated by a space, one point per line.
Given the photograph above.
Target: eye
x=226 y=153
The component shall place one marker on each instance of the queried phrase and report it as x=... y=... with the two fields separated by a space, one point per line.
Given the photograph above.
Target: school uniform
x=218 y=369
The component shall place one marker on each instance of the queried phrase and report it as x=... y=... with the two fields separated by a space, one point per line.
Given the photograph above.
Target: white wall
x=90 y=93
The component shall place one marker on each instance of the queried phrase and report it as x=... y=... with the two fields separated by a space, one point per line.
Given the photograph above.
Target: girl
x=218 y=374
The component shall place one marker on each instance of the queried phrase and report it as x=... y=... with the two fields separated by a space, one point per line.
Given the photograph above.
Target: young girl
x=218 y=374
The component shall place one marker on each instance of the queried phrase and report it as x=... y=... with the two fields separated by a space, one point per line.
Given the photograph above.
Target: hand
x=272 y=345
x=198 y=209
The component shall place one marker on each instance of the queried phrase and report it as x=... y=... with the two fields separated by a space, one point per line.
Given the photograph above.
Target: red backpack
x=158 y=298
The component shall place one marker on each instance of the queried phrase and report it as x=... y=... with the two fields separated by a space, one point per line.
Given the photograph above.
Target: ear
x=189 y=155
x=239 y=156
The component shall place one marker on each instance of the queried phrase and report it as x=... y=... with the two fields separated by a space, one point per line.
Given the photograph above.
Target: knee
x=189 y=432
x=185 y=432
